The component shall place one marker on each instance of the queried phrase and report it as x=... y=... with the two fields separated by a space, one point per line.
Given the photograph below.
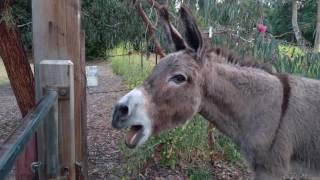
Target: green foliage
x=279 y=19
x=291 y=51
x=234 y=16
x=307 y=65
x=106 y=24
x=21 y=11
x=131 y=69
x=227 y=148
x=307 y=19
x=199 y=173
x=109 y=23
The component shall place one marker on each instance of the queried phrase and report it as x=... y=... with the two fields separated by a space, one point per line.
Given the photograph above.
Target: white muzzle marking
x=137 y=114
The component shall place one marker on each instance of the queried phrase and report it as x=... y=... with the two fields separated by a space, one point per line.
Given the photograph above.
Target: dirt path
x=104 y=154
x=9 y=112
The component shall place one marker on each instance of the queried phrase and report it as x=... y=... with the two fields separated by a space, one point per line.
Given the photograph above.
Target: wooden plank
x=58 y=74
x=84 y=133
x=56 y=29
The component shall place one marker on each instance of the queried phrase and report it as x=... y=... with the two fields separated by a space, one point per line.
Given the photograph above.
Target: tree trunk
x=295 y=25
x=21 y=79
x=317 y=39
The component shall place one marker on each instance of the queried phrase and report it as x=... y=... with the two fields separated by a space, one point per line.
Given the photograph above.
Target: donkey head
x=171 y=95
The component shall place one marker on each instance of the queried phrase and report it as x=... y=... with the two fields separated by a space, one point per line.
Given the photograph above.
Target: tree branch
x=4 y=4
x=22 y=25
x=154 y=4
x=150 y=27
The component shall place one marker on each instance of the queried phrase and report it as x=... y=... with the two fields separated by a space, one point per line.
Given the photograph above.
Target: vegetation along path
x=104 y=154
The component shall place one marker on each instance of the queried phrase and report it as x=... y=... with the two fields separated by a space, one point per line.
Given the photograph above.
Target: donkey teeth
x=133 y=138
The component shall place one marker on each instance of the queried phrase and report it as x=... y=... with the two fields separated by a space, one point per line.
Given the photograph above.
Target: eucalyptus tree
x=294 y=20
x=281 y=14
x=108 y=24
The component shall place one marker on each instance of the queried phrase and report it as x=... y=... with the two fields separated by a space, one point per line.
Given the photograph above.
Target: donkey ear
x=174 y=36
x=193 y=35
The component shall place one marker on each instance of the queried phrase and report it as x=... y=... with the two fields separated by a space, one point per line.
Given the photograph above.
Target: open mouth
x=134 y=135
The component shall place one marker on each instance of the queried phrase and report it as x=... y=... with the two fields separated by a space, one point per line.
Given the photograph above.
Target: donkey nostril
x=123 y=109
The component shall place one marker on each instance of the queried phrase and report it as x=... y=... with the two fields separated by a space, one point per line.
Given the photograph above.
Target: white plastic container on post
x=92 y=75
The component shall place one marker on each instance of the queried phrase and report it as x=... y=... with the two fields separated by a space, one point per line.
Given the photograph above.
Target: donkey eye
x=178 y=78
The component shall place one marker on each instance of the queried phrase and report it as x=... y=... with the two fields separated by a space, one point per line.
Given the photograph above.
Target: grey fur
x=255 y=99
x=274 y=120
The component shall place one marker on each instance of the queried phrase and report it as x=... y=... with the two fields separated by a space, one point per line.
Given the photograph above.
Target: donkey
x=274 y=118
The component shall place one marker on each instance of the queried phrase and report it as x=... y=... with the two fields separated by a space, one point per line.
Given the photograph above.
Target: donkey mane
x=234 y=58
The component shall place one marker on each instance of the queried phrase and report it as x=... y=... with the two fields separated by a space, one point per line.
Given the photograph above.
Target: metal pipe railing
x=15 y=143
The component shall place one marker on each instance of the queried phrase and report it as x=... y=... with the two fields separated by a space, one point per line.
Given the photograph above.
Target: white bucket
x=92 y=75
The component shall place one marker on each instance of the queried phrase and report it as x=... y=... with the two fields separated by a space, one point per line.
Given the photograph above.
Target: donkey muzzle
x=120 y=116
x=130 y=112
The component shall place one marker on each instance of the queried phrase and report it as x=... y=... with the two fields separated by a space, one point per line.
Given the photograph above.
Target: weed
x=228 y=149
x=199 y=173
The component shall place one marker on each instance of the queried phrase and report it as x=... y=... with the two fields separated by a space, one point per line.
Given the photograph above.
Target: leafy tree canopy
x=279 y=19
x=110 y=23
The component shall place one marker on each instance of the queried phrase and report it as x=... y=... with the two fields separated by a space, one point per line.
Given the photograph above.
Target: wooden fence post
x=83 y=130
x=56 y=30
x=58 y=75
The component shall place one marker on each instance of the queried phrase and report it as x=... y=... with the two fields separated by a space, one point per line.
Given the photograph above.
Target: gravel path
x=9 y=112
x=104 y=154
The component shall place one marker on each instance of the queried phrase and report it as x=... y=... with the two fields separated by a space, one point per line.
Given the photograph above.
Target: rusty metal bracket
x=79 y=171
x=63 y=92
x=35 y=166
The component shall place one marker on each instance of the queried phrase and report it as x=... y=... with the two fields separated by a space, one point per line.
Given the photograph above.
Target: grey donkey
x=274 y=118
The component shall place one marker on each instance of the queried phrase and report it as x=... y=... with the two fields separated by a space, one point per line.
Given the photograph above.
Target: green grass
x=131 y=69
x=3 y=75
x=227 y=148
x=307 y=65
x=199 y=173
x=290 y=51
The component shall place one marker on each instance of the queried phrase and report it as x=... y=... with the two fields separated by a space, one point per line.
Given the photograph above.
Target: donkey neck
x=234 y=96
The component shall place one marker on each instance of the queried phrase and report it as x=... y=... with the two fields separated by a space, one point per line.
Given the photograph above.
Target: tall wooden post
x=56 y=35
x=84 y=132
